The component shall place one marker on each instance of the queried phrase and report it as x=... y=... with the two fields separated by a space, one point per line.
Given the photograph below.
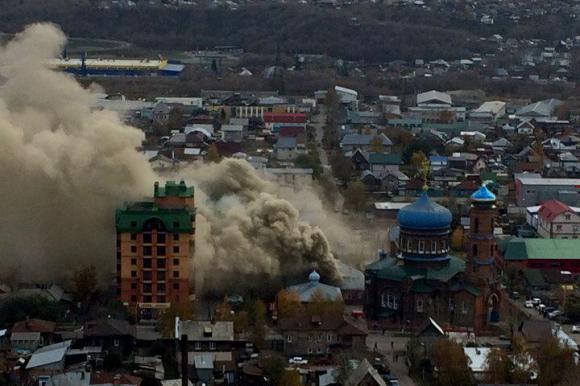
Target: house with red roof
x=557 y=220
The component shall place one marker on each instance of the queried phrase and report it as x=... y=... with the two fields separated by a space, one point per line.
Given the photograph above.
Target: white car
x=576 y=329
x=528 y=304
x=554 y=313
x=536 y=301
x=298 y=361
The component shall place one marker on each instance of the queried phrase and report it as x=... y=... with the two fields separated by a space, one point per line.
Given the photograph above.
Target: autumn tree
x=498 y=366
x=554 y=361
x=85 y=283
x=213 y=154
x=451 y=362
x=166 y=319
x=446 y=116
x=224 y=311
x=457 y=238
x=290 y=377
x=342 y=168
x=289 y=304
x=418 y=161
x=320 y=305
x=356 y=196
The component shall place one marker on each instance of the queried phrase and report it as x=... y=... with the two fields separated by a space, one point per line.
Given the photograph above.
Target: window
x=175 y=261
x=133 y=298
x=491 y=250
x=176 y=286
x=133 y=286
x=133 y=249
x=147 y=299
x=147 y=275
x=433 y=246
x=451 y=305
x=476 y=226
x=176 y=237
x=567 y=216
x=409 y=245
x=161 y=299
x=133 y=261
x=175 y=273
x=212 y=345
x=474 y=250
x=176 y=249
x=575 y=228
x=147 y=263
x=160 y=251
x=133 y=236
x=289 y=338
x=133 y=273
x=161 y=276
x=147 y=238
x=160 y=263
x=309 y=350
x=147 y=251
x=197 y=346
x=161 y=287
x=161 y=238
x=147 y=288
x=419 y=305
x=558 y=227
x=329 y=338
x=116 y=342
x=421 y=246
x=444 y=245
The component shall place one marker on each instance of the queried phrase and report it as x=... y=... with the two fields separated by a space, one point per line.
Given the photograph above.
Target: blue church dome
x=483 y=194
x=424 y=214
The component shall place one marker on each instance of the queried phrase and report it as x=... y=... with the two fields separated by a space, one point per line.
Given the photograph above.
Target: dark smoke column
x=155 y=247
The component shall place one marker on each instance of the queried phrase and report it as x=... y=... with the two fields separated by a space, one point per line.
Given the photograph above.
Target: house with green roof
x=560 y=254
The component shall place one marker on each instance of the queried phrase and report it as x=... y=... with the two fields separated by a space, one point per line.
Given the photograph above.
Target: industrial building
x=535 y=190
x=117 y=67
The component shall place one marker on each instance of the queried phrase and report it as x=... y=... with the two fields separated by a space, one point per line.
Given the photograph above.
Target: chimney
x=184 y=360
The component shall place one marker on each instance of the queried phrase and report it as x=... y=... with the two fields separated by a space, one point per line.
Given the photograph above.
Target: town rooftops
x=364 y=140
x=434 y=97
x=47 y=355
x=385 y=159
x=525 y=180
x=343 y=325
x=286 y=143
x=205 y=330
x=108 y=327
x=490 y=107
x=541 y=249
x=173 y=189
x=549 y=210
x=34 y=325
x=360 y=374
x=544 y=108
x=306 y=291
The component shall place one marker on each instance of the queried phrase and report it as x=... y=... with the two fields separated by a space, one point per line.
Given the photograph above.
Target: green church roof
x=173 y=189
x=441 y=273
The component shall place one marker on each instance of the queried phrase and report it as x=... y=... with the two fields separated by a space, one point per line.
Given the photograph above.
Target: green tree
x=166 y=319
x=451 y=363
x=356 y=196
x=274 y=368
x=257 y=318
x=85 y=283
x=17 y=309
x=418 y=160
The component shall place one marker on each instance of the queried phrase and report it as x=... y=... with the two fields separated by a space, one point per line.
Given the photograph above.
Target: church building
x=424 y=280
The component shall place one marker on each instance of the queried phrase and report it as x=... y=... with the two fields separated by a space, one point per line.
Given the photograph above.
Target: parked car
x=554 y=313
x=536 y=301
x=528 y=304
x=547 y=310
x=576 y=329
x=391 y=380
x=298 y=361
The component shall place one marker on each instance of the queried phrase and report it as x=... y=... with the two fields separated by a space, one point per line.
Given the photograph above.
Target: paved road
x=383 y=346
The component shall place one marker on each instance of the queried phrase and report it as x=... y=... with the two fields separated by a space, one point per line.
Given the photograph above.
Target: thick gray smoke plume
x=245 y=230
x=65 y=169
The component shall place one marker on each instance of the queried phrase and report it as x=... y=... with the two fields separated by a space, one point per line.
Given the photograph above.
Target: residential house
x=47 y=361
x=546 y=254
x=45 y=328
x=292 y=177
x=435 y=106
x=114 y=335
x=557 y=220
x=365 y=375
x=232 y=133
x=437 y=162
x=359 y=160
x=319 y=335
x=488 y=112
x=288 y=148
x=383 y=163
x=366 y=143
x=542 y=109
x=25 y=342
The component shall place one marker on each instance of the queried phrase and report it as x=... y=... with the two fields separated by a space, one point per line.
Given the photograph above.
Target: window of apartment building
x=289 y=338
x=147 y=238
x=147 y=288
x=161 y=238
x=147 y=275
x=176 y=286
x=175 y=273
x=176 y=237
x=147 y=251
x=133 y=298
x=175 y=261
x=133 y=236
x=133 y=286
x=133 y=273
x=147 y=263
x=161 y=276
x=160 y=263
x=212 y=345
x=147 y=299
x=160 y=251
x=161 y=287
x=419 y=305
x=133 y=249
x=176 y=249
x=133 y=261
x=161 y=299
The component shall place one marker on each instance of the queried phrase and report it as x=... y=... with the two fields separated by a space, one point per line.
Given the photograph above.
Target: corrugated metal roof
x=48 y=355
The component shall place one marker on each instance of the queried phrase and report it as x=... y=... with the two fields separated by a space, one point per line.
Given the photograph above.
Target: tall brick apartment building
x=155 y=247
